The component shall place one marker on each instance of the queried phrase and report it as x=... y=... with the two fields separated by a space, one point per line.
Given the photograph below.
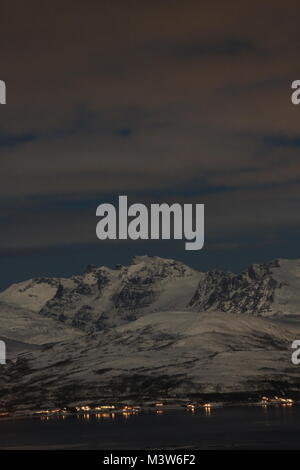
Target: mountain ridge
x=155 y=327
x=103 y=297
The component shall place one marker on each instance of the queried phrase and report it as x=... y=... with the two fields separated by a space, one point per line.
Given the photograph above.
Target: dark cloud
x=283 y=141
x=228 y=47
x=181 y=100
x=123 y=132
x=12 y=140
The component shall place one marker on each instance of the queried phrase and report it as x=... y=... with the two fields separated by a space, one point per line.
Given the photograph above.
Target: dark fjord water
x=221 y=428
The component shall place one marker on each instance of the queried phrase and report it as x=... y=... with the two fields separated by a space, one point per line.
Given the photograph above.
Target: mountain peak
x=103 y=297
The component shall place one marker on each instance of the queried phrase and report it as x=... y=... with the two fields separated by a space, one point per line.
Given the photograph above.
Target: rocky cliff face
x=271 y=289
x=252 y=291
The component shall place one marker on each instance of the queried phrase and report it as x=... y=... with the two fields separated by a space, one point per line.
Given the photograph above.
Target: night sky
x=185 y=101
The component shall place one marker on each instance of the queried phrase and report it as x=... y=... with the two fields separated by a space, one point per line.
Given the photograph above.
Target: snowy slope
x=158 y=354
x=31 y=294
x=26 y=326
x=287 y=294
x=14 y=348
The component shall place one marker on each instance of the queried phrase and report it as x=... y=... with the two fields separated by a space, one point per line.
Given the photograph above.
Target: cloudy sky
x=160 y=100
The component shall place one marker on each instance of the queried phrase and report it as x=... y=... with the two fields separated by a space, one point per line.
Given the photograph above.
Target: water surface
x=220 y=428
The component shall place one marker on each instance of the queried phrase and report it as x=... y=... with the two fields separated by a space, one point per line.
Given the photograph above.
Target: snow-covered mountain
x=173 y=353
x=102 y=297
x=117 y=332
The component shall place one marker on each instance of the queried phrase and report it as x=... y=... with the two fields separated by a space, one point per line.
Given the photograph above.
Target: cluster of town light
x=51 y=412
x=192 y=407
x=77 y=408
x=126 y=410
x=108 y=411
x=277 y=400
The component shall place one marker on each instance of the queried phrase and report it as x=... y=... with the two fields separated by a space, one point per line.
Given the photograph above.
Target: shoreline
x=129 y=410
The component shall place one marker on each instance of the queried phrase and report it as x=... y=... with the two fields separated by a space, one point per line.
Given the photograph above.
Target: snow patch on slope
x=31 y=294
x=23 y=325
